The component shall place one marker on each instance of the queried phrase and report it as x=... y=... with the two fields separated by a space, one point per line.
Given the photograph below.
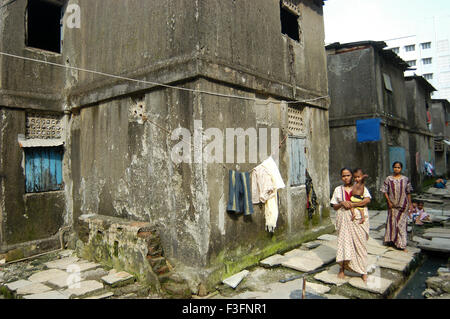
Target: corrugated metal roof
x=37 y=142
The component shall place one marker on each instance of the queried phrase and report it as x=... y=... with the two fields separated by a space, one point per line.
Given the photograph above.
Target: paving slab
x=316 y=288
x=331 y=296
x=435 y=246
x=84 y=288
x=13 y=286
x=439 y=230
x=399 y=255
x=441 y=241
x=329 y=243
x=272 y=261
x=329 y=276
x=374 y=225
x=118 y=279
x=66 y=280
x=302 y=263
x=46 y=275
x=376 y=250
x=421 y=240
x=84 y=265
x=47 y=295
x=236 y=279
x=325 y=253
x=311 y=244
x=439 y=219
x=392 y=264
x=327 y=237
x=67 y=253
x=374 y=284
x=436 y=235
x=33 y=288
x=102 y=296
x=297 y=253
x=62 y=263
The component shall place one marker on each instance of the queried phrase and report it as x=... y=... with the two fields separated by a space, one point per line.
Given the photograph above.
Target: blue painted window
x=368 y=130
x=43 y=169
x=397 y=154
x=297 y=161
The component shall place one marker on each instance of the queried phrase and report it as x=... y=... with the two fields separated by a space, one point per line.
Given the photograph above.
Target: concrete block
x=327 y=237
x=46 y=275
x=302 y=264
x=399 y=255
x=84 y=288
x=316 y=288
x=392 y=264
x=13 y=286
x=33 y=288
x=47 y=295
x=311 y=244
x=62 y=263
x=118 y=279
x=374 y=284
x=102 y=296
x=272 y=261
x=329 y=276
x=236 y=279
x=325 y=253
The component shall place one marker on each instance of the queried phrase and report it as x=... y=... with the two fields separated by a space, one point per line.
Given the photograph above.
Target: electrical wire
x=160 y=84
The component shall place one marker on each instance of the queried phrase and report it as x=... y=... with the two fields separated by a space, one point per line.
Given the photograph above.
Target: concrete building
x=427 y=52
x=109 y=141
x=440 y=116
x=370 y=124
x=421 y=139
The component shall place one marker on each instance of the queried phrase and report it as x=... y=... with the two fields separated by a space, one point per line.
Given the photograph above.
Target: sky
x=359 y=20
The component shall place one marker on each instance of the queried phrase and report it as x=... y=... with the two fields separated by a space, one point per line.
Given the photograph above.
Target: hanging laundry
x=311 y=198
x=266 y=180
x=239 y=193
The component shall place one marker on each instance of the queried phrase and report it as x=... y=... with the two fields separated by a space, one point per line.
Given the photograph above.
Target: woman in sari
x=352 y=236
x=397 y=190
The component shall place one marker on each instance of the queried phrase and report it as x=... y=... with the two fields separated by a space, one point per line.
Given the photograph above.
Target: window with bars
x=411 y=62
x=425 y=45
x=396 y=50
x=409 y=48
x=428 y=76
x=43 y=169
x=427 y=61
x=289 y=21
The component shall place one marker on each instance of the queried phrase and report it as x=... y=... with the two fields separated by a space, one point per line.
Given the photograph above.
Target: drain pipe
x=61 y=231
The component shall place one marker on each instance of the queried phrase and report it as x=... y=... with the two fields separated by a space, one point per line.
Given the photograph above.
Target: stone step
x=84 y=289
x=101 y=296
x=118 y=279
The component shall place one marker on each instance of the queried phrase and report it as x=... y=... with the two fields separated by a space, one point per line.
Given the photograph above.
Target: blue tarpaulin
x=368 y=130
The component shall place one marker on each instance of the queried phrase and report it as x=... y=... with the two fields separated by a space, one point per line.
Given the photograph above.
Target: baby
x=421 y=215
x=358 y=193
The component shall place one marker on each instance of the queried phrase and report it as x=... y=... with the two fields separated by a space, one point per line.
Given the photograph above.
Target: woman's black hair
x=397 y=162
x=347 y=169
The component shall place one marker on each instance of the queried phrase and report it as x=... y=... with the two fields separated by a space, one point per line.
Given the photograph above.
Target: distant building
x=440 y=117
x=372 y=121
x=428 y=53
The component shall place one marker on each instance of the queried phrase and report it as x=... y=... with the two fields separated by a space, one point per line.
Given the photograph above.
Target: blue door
x=397 y=154
x=43 y=169
x=297 y=161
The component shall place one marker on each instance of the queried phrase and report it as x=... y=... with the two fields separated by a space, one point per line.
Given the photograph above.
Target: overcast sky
x=358 y=20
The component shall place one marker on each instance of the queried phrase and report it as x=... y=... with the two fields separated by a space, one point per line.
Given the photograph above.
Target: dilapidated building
x=440 y=115
x=374 y=120
x=421 y=138
x=88 y=117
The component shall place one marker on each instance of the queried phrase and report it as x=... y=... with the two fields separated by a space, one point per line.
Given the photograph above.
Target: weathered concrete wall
x=124 y=169
x=26 y=84
x=353 y=71
x=420 y=139
x=25 y=217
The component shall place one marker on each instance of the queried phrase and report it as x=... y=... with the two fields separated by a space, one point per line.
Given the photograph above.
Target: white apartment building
x=428 y=53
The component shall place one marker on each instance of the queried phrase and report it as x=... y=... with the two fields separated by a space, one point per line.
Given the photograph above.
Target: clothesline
x=160 y=84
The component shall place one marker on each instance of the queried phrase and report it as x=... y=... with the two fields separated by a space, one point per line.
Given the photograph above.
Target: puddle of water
x=416 y=285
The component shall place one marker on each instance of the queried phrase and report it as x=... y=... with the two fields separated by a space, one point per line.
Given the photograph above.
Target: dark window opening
x=289 y=23
x=43 y=25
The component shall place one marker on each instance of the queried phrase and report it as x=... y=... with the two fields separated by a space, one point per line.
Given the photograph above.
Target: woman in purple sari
x=397 y=190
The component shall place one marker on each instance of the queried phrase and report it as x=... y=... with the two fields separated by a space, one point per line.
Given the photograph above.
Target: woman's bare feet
x=341 y=274
x=364 y=278
x=405 y=250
